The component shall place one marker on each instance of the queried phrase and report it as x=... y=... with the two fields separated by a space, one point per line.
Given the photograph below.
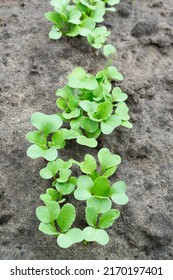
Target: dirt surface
x=32 y=68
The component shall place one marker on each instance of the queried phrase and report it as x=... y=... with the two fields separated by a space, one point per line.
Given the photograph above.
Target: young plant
x=49 y=136
x=91 y=105
x=58 y=222
x=79 y=17
x=94 y=187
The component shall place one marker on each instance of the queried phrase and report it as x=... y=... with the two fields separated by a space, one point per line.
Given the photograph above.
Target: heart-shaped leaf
x=108 y=160
x=110 y=124
x=74 y=235
x=48 y=213
x=117 y=193
x=88 y=166
x=35 y=151
x=46 y=123
x=98 y=235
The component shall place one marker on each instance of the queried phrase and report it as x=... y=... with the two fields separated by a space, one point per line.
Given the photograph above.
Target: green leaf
x=50 y=170
x=101 y=187
x=57 y=140
x=65 y=92
x=60 y=5
x=66 y=217
x=100 y=204
x=73 y=31
x=89 y=125
x=89 y=142
x=98 y=235
x=37 y=138
x=87 y=3
x=122 y=111
x=45 y=198
x=91 y=216
x=117 y=193
x=48 y=213
x=107 y=219
x=114 y=74
x=109 y=172
x=127 y=124
x=110 y=124
x=108 y=160
x=109 y=50
x=64 y=175
x=88 y=166
x=61 y=103
x=84 y=186
x=118 y=95
x=46 y=123
x=52 y=193
x=35 y=151
x=55 y=33
x=42 y=214
x=71 y=237
x=79 y=79
x=74 y=16
x=104 y=110
x=86 y=26
x=73 y=114
x=73 y=102
x=65 y=188
x=112 y=2
x=69 y=133
x=88 y=106
x=98 y=13
x=48 y=229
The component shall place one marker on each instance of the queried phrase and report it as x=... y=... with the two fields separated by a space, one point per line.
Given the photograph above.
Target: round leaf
x=46 y=123
x=101 y=187
x=109 y=50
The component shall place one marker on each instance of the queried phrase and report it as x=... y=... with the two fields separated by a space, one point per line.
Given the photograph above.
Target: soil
x=32 y=68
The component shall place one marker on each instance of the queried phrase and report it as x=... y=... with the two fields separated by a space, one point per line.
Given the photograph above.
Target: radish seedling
x=79 y=17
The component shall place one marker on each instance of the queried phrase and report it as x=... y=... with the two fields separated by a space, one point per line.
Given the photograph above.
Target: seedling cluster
x=88 y=106
x=93 y=187
x=80 y=17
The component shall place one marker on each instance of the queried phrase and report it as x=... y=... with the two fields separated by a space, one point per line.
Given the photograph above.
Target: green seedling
x=57 y=221
x=49 y=136
x=97 y=223
x=93 y=187
x=91 y=105
x=98 y=37
x=79 y=17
